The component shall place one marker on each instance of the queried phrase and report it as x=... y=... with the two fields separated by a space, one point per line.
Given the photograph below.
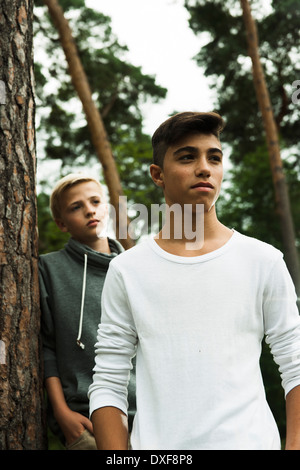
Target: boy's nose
x=90 y=210
x=202 y=168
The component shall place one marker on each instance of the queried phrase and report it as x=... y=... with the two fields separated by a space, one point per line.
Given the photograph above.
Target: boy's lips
x=92 y=222
x=202 y=186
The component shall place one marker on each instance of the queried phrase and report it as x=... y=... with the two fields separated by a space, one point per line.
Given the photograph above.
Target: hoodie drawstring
x=79 y=343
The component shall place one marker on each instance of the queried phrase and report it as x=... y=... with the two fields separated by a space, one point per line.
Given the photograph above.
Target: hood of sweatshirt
x=90 y=257
x=95 y=258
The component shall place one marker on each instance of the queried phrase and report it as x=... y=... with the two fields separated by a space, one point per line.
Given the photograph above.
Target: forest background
x=120 y=89
x=122 y=92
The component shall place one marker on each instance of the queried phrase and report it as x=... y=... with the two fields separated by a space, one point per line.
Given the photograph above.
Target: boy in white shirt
x=195 y=315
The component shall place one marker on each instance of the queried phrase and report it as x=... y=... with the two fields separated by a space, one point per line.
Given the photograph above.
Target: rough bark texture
x=281 y=190
x=22 y=424
x=94 y=120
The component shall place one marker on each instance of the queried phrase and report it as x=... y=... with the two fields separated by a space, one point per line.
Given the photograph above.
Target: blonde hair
x=63 y=185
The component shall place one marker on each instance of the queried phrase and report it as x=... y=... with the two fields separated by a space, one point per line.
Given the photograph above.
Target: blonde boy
x=71 y=282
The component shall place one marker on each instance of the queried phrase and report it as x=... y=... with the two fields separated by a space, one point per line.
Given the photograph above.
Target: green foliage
x=53 y=442
x=247 y=201
x=225 y=60
x=247 y=204
x=118 y=87
x=274 y=391
x=65 y=4
x=51 y=238
x=133 y=164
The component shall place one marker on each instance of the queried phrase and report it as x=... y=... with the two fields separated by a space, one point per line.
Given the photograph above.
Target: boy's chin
x=102 y=233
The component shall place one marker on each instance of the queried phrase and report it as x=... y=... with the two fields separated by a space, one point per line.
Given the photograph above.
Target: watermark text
x=2 y=92
x=2 y=352
x=177 y=221
x=296 y=94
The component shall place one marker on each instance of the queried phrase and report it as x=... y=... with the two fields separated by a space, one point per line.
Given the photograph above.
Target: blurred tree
x=224 y=58
x=282 y=200
x=52 y=238
x=95 y=123
x=118 y=89
x=22 y=417
x=247 y=201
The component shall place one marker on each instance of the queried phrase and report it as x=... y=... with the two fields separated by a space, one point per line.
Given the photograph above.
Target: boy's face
x=84 y=212
x=192 y=171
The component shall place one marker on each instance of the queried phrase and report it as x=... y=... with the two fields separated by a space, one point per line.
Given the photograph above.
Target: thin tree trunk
x=22 y=417
x=281 y=190
x=95 y=123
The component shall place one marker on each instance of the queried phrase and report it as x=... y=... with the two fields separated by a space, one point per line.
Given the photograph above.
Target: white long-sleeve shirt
x=196 y=325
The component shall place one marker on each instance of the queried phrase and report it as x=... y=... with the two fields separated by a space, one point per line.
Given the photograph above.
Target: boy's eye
x=186 y=157
x=215 y=158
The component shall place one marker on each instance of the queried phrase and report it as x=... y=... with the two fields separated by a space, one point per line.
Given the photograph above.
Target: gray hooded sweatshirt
x=71 y=282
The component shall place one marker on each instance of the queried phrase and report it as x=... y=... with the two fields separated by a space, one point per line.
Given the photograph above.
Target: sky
x=160 y=41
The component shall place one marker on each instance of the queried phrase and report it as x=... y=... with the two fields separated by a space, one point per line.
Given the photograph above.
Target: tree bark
x=280 y=187
x=22 y=417
x=97 y=129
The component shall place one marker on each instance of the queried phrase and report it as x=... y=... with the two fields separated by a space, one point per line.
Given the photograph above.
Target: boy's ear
x=157 y=175
x=61 y=225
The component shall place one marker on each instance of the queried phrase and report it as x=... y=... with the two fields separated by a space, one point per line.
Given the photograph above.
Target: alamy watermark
x=296 y=94
x=2 y=352
x=178 y=222
x=2 y=92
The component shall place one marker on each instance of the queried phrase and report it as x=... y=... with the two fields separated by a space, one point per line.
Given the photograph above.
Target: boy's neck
x=208 y=238
x=100 y=244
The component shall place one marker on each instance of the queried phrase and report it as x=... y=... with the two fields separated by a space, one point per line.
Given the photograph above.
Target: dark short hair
x=181 y=124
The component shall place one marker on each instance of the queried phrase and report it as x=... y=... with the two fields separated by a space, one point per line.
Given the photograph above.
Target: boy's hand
x=73 y=424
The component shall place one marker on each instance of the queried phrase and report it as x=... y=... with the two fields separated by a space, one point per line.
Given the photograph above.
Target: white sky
x=160 y=41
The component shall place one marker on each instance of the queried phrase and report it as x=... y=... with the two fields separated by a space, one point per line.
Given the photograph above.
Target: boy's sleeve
x=282 y=324
x=115 y=347
x=47 y=326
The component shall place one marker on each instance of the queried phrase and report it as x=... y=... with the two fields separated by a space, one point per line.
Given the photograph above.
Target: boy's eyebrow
x=191 y=149
x=90 y=197
x=74 y=202
x=214 y=150
x=188 y=148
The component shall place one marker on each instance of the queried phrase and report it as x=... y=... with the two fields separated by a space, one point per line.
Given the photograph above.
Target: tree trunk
x=94 y=120
x=22 y=417
x=281 y=190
